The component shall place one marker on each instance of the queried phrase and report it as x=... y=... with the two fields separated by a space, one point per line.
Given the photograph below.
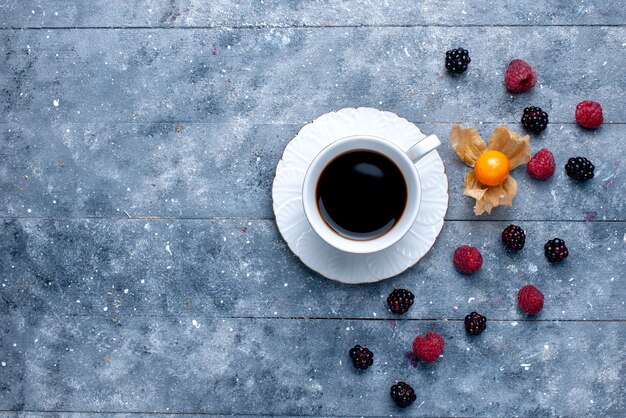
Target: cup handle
x=423 y=147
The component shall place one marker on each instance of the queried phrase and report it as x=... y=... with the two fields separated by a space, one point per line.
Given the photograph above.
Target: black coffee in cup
x=361 y=194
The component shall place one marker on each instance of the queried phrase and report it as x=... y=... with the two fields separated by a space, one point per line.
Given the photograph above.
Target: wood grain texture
x=295 y=75
x=242 y=268
x=229 y=366
x=327 y=13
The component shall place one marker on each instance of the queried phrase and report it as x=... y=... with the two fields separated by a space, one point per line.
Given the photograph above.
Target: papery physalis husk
x=468 y=144
x=488 y=197
x=511 y=144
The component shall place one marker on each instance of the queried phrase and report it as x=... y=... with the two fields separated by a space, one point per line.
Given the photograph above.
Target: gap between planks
x=303 y=26
x=158 y=315
x=171 y=413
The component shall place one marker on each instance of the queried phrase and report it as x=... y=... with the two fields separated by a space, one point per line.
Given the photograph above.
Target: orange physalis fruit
x=492 y=167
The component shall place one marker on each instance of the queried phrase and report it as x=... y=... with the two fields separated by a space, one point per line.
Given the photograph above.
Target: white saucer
x=295 y=228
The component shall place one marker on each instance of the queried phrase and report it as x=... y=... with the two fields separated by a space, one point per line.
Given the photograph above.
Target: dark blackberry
x=579 y=168
x=555 y=250
x=361 y=357
x=400 y=300
x=514 y=237
x=402 y=394
x=457 y=60
x=475 y=323
x=534 y=119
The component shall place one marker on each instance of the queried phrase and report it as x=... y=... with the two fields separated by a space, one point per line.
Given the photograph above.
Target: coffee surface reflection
x=361 y=194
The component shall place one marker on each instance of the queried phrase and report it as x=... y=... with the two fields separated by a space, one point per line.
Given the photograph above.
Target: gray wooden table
x=141 y=269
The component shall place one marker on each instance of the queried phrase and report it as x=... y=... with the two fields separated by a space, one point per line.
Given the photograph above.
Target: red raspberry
x=428 y=348
x=589 y=114
x=520 y=76
x=467 y=259
x=542 y=165
x=530 y=299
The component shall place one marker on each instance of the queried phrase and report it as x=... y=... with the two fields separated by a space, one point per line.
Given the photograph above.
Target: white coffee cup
x=404 y=160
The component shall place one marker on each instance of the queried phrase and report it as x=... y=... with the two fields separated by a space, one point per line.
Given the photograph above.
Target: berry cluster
x=400 y=300
x=361 y=357
x=457 y=60
x=589 y=114
x=555 y=250
x=514 y=237
x=467 y=259
x=530 y=299
x=542 y=165
x=475 y=323
x=402 y=394
x=579 y=168
x=519 y=77
x=534 y=119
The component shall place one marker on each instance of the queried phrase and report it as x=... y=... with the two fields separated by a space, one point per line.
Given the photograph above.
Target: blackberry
x=457 y=60
x=514 y=237
x=534 y=119
x=361 y=357
x=402 y=394
x=579 y=168
x=475 y=323
x=555 y=250
x=400 y=300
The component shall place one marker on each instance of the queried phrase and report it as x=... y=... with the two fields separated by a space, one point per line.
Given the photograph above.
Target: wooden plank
x=242 y=268
x=176 y=365
x=66 y=414
x=197 y=13
x=294 y=75
x=226 y=170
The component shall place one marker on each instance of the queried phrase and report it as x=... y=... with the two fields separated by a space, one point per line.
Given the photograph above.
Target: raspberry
x=467 y=259
x=400 y=300
x=457 y=60
x=520 y=76
x=361 y=357
x=555 y=250
x=402 y=394
x=514 y=237
x=589 y=114
x=475 y=323
x=530 y=299
x=579 y=168
x=542 y=165
x=534 y=119
x=428 y=348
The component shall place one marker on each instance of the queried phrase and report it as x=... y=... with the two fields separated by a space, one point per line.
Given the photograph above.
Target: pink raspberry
x=542 y=165
x=530 y=299
x=520 y=76
x=467 y=259
x=589 y=114
x=428 y=348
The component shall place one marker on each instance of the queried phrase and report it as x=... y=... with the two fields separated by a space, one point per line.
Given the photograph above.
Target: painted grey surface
x=66 y=414
x=198 y=13
x=238 y=365
x=242 y=268
x=295 y=75
x=226 y=170
x=106 y=415
x=175 y=114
